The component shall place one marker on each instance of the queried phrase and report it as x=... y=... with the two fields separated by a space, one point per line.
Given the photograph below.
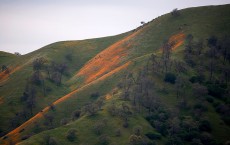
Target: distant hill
x=166 y=82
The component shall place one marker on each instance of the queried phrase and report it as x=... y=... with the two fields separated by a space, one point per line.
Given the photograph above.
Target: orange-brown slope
x=105 y=61
x=178 y=40
x=15 y=135
x=100 y=67
x=5 y=74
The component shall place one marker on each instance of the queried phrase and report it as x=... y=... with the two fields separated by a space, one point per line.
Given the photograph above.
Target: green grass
x=201 y=22
x=12 y=90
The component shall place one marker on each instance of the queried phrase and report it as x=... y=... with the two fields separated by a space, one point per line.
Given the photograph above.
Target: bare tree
x=175 y=12
x=166 y=55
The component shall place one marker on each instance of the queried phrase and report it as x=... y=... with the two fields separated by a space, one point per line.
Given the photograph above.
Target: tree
x=76 y=114
x=38 y=66
x=38 y=63
x=170 y=78
x=64 y=121
x=226 y=74
x=4 y=67
x=118 y=132
x=199 y=90
x=199 y=47
x=189 y=124
x=175 y=12
x=95 y=95
x=104 y=140
x=71 y=134
x=61 y=69
x=174 y=126
x=137 y=130
x=155 y=64
x=212 y=52
x=225 y=50
x=166 y=55
x=91 y=109
x=181 y=84
x=31 y=101
x=17 y=53
x=69 y=56
x=180 y=66
x=135 y=140
x=52 y=141
x=98 y=127
x=50 y=119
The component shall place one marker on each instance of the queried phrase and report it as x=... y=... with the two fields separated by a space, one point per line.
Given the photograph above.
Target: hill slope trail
x=15 y=135
x=106 y=60
x=103 y=65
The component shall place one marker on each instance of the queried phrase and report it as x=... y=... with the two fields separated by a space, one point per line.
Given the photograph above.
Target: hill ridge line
x=15 y=134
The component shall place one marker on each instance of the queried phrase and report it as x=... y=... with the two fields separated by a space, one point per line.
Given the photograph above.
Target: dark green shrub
x=205 y=126
x=215 y=90
x=98 y=127
x=197 y=79
x=94 y=95
x=153 y=136
x=103 y=140
x=137 y=130
x=52 y=141
x=71 y=134
x=209 y=99
x=170 y=78
x=201 y=107
x=189 y=136
x=226 y=119
x=118 y=132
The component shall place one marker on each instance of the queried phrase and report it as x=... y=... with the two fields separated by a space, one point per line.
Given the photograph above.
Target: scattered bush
x=201 y=107
x=205 y=126
x=94 y=95
x=135 y=140
x=76 y=114
x=98 y=127
x=189 y=136
x=226 y=119
x=71 y=134
x=103 y=140
x=175 y=12
x=126 y=123
x=64 y=121
x=69 y=56
x=25 y=137
x=170 y=78
x=137 y=130
x=209 y=99
x=153 y=136
x=197 y=79
x=52 y=141
x=118 y=132
x=112 y=109
x=216 y=90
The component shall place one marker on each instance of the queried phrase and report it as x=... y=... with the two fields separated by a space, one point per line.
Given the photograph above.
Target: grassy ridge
x=12 y=89
x=200 y=22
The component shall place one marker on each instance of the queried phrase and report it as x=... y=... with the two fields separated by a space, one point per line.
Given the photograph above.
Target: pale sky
x=27 y=25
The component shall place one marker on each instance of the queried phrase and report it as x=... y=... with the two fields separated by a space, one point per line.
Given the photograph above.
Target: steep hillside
x=13 y=84
x=165 y=82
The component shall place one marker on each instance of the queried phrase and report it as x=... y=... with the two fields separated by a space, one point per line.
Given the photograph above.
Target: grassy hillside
x=162 y=83
x=21 y=69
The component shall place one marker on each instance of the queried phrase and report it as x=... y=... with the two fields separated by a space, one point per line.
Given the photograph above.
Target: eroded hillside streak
x=14 y=136
x=106 y=60
x=4 y=75
x=178 y=39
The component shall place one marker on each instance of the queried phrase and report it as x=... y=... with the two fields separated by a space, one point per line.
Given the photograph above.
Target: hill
x=165 y=82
